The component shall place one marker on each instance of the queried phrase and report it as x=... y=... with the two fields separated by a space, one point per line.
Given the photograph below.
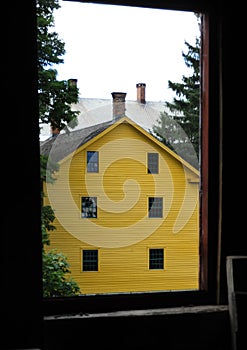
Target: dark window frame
x=94 y=208
x=93 y=165
x=209 y=218
x=155 y=207
x=156 y=260
x=153 y=163
x=90 y=260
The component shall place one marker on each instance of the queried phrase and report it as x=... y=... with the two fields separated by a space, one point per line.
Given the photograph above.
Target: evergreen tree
x=179 y=128
x=55 y=99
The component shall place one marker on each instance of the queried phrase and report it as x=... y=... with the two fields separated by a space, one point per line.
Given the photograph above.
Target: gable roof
x=66 y=143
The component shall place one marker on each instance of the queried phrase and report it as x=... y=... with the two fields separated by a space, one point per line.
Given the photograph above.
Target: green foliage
x=48 y=169
x=179 y=129
x=55 y=267
x=55 y=284
x=55 y=99
x=47 y=217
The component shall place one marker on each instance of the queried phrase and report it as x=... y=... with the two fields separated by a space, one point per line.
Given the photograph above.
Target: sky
x=112 y=48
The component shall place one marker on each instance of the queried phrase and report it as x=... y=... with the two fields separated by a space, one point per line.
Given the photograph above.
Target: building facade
x=127 y=210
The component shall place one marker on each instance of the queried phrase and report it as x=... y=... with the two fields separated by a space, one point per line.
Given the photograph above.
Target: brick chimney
x=72 y=82
x=141 y=89
x=118 y=109
x=54 y=131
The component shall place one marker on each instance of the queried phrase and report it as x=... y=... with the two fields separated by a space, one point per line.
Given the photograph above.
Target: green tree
x=179 y=128
x=55 y=99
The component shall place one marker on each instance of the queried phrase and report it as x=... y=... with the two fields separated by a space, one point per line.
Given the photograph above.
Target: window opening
x=92 y=161
x=155 y=207
x=153 y=163
x=161 y=165
x=89 y=207
x=90 y=260
x=156 y=259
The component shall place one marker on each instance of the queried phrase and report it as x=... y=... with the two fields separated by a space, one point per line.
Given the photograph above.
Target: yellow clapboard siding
x=122 y=188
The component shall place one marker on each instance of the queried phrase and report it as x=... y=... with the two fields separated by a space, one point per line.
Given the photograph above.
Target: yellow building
x=127 y=210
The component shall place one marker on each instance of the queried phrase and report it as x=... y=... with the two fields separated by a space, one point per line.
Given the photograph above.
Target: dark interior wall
x=21 y=301
x=184 y=331
x=233 y=126
x=234 y=130
x=20 y=224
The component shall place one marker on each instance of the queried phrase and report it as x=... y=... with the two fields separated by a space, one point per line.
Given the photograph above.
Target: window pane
x=153 y=163
x=89 y=207
x=90 y=260
x=156 y=259
x=92 y=161
x=135 y=134
x=155 y=207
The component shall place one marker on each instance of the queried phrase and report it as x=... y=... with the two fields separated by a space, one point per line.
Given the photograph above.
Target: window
x=92 y=161
x=155 y=207
x=222 y=39
x=156 y=259
x=153 y=163
x=90 y=260
x=155 y=204
x=89 y=207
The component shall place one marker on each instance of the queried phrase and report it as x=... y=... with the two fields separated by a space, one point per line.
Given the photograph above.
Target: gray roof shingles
x=58 y=147
x=95 y=116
